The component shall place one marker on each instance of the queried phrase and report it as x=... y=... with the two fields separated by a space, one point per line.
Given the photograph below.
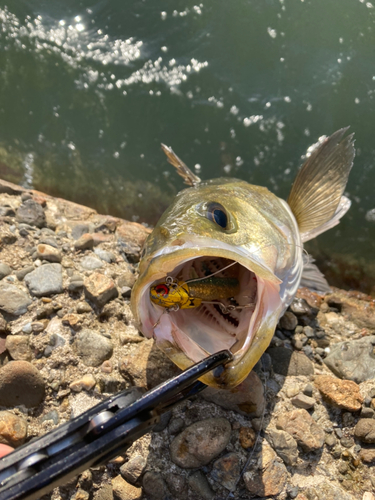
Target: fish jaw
x=185 y=337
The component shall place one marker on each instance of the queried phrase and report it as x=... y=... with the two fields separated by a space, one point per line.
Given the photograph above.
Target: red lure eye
x=162 y=290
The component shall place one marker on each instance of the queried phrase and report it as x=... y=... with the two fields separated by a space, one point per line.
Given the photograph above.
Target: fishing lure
x=192 y=293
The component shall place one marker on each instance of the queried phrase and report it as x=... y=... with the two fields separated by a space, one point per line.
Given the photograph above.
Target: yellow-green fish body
x=236 y=230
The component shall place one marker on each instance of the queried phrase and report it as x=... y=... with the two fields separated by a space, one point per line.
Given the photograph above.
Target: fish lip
x=165 y=261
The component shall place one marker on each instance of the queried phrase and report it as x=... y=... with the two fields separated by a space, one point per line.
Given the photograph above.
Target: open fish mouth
x=243 y=322
x=219 y=322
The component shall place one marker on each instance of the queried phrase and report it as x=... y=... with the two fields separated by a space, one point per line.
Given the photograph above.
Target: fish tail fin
x=316 y=198
x=312 y=278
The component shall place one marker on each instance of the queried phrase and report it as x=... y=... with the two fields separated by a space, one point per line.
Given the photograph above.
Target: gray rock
x=199 y=443
x=30 y=212
x=21 y=384
x=292 y=363
x=45 y=280
x=367 y=413
x=303 y=401
x=104 y=255
x=198 y=483
x=154 y=485
x=288 y=321
x=79 y=230
x=176 y=425
x=22 y=272
x=284 y=445
x=13 y=300
x=5 y=270
x=90 y=262
x=353 y=359
x=176 y=485
x=131 y=471
x=93 y=348
x=51 y=415
x=327 y=491
x=226 y=471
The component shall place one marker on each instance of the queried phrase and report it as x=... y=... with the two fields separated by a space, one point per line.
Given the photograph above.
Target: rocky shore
x=303 y=422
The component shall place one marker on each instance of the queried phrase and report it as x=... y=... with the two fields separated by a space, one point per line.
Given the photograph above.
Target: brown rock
x=85 y=242
x=18 y=347
x=133 y=233
x=246 y=398
x=247 y=437
x=146 y=366
x=200 y=442
x=300 y=425
x=20 y=384
x=13 y=429
x=288 y=321
x=125 y=491
x=99 y=289
x=226 y=470
x=270 y=479
x=340 y=393
x=72 y=320
x=48 y=252
x=367 y=455
x=365 y=430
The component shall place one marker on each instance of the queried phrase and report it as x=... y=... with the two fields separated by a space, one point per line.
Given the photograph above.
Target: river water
x=240 y=88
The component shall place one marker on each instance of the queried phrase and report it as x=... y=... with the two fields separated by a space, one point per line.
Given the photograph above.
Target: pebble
x=176 y=425
x=287 y=362
x=268 y=480
x=300 y=307
x=30 y=212
x=83 y=307
x=80 y=495
x=367 y=413
x=13 y=429
x=93 y=348
x=87 y=382
x=122 y=490
x=45 y=280
x=308 y=390
x=300 y=425
x=5 y=270
x=132 y=470
x=99 y=289
x=13 y=300
x=353 y=359
x=104 y=255
x=303 y=401
x=226 y=471
x=327 y=491
x=288 y=321
x=127 y=278
x=18 y=347
x=365 y=430
x=199 y=443
x=198 y=483
x=84 y=242
x=22 y=272
x=79 y=230
x=146 y=366
x=48 y=252
x=51 y=415
x=330 y=440
x=284 y=445
x=340 y=393
x=21 y=384
x=90 y=263
x=154 y=485
x=106 y=366
x=176 y=484
x=247 y=437
x=246 y=398
x=367 y=455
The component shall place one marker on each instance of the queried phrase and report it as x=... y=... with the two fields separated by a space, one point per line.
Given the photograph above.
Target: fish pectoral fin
x=312 y=278
x=316 y=193
x=341 y=210
x=182 y=169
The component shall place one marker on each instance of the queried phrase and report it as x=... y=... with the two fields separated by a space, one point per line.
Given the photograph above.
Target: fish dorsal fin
x=319 y=185
x=183 y=170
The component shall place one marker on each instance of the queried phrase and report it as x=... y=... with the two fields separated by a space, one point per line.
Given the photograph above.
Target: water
x=89 y=90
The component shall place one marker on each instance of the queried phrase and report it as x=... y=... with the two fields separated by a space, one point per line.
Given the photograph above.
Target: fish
x=228 y=229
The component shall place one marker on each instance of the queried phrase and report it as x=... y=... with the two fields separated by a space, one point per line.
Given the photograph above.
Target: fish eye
x=162 y=290
x=217 y=213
